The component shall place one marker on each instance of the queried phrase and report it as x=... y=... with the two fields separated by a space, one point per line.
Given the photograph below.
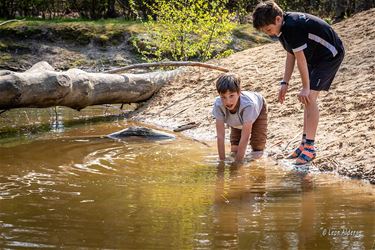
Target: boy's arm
x=245 y=136
x=303 y=96
x=289 y=66
x=220 y=134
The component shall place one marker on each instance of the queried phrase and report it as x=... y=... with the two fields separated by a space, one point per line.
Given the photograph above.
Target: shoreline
x=274 y=153
x=346 y=133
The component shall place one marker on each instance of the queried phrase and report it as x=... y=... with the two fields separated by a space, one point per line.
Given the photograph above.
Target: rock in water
x=142 y=132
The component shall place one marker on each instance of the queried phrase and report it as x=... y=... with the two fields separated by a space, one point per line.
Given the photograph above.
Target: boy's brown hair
x=265 y=14
x=228 y=82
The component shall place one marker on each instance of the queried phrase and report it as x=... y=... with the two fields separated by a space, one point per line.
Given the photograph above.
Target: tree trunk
x=41 y=87
x=111 y=10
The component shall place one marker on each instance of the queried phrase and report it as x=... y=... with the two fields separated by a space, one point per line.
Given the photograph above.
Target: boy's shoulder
x=217 y=100
x=218 y=103
x=251 y=94
x=301 y=19
x=294 y=20
x=250 y=98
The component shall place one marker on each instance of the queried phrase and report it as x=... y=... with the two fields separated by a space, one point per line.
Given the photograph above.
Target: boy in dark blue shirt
x=318 y=51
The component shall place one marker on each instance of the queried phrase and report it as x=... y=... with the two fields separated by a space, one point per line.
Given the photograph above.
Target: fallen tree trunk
x=41 y=86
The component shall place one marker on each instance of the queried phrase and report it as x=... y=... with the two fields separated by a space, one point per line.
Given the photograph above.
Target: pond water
x=72 y=188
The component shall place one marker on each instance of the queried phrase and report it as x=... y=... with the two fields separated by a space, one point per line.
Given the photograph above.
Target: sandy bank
x=346 y=133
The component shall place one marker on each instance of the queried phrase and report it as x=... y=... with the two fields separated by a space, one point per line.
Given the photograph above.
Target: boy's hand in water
x=221 y=164
x=237 y=163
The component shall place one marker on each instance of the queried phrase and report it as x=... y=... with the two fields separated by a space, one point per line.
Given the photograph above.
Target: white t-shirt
x=251 y=104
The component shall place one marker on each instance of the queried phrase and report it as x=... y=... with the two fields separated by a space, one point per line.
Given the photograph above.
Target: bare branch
x=167 y=64
x=3 y=111
x=9 y=21
x=190 y=125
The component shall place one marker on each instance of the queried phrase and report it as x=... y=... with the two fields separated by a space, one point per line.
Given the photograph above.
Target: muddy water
x=72 y=188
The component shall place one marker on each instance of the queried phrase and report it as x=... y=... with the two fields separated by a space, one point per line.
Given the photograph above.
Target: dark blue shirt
x=317 y=39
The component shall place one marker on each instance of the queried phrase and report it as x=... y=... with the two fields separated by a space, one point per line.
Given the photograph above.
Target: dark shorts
x=258 y=132
x=322 y=75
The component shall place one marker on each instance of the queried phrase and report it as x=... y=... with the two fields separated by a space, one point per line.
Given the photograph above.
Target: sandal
x=296 y=152
x=307 y=155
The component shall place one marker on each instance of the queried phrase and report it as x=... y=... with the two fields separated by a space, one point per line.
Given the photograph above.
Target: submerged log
x=41 y=86
x=142 y=132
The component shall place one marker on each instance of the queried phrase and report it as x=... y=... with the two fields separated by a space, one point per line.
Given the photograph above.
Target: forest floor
x=346 y=133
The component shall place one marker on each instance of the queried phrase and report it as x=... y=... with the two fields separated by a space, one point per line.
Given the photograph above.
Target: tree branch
x=3 y=111
x=166 y=64
x=9 y=21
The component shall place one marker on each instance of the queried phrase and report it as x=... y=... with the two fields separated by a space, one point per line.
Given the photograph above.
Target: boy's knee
x=313 y=96
x=312 y=104
x=259 y=143
x=258 y=147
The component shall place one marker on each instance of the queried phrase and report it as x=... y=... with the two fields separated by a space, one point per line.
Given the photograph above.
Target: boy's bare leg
x=304 y=119
x=311 y=123
x=311 y=115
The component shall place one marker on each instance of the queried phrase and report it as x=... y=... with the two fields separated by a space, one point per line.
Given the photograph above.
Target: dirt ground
x=346 y=133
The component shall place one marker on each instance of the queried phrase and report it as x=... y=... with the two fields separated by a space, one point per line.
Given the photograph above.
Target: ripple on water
x=100 y=194
x=28 y=244
x=32 y=183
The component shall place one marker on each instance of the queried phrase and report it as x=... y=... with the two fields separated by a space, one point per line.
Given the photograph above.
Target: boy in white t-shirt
x=246 y=114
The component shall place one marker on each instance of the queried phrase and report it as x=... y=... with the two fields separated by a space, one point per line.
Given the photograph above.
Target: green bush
x=187 y=29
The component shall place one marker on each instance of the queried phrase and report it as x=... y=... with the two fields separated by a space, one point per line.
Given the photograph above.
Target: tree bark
x=41 y=86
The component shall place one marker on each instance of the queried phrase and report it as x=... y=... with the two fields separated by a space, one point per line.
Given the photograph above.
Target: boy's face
x=230 y=100
x=273 y=29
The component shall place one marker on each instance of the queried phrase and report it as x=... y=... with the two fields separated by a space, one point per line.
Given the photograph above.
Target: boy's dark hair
x=265 y=14
x=228 y=82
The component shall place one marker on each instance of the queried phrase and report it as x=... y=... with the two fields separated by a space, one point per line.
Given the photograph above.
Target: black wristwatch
x=282 y=82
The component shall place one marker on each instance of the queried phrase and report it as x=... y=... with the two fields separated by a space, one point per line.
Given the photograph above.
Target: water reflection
x=236 y=194
x=257 y=206
x=57 y=120
x=25 y=124
x=239 y=194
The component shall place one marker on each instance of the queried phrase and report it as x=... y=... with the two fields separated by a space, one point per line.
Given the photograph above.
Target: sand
x=346 y=133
